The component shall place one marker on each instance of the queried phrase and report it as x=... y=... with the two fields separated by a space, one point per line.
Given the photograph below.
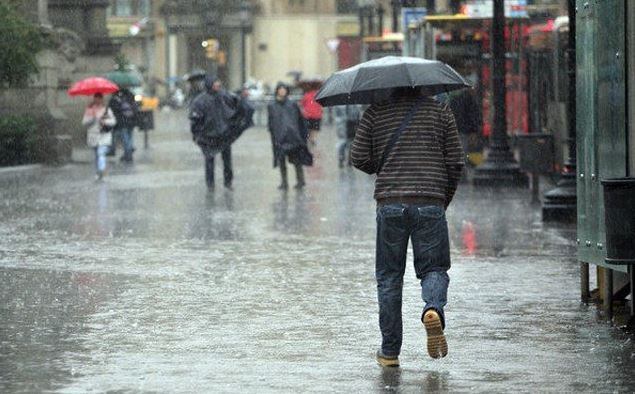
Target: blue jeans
x=125 y=135
x=426 y=226
x=344 y=147
x=100 y=158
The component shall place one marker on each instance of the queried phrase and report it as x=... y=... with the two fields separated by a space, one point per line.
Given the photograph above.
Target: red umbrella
x=90 y=86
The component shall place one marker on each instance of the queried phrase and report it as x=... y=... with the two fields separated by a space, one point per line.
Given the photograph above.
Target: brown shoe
x=437 y=344
x=386 y=361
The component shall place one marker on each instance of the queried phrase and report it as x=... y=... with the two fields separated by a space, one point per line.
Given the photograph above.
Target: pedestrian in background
x=126 y=111
x=411 y=143
x=312 y=112
x=288 y=137
x=99 y=121
x=468 y=118
x=246 y=110
x=346 y=121
x=211 y=115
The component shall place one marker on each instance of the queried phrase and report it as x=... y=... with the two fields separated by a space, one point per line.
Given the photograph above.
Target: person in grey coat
x=288 y=136
x=346 y=120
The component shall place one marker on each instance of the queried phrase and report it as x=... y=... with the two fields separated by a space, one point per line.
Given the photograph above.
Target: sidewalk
x=147 y=282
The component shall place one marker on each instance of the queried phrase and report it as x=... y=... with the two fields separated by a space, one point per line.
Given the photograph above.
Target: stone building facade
x=78 y=46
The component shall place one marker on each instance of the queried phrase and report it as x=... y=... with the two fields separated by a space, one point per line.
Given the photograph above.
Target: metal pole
x=395 y=16
x=380 y=14
x=571 y=107
x=500 y=168
x=631 y=277
x=362 y=31
x=371 y=22
x=168 y=55
x=535 y=188
x=585 y=291
x=499 y=135
x=243 y=55
x=431 y=6
x=561 y=202
x=608 y=293
x=511 y=26
x=519 y=75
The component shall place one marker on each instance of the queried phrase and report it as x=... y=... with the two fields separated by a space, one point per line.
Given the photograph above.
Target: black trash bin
x=619 y=213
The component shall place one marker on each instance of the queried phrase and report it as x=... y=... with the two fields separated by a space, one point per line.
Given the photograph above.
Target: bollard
x=535 y=188
x=608 y=293
x=585 y=290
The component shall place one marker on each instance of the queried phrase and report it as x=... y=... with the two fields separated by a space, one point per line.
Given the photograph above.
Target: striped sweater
x=424 y=164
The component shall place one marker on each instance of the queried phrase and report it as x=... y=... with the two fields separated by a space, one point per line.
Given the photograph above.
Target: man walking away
x=126 y=111
x=211 y=115
x=413 y=146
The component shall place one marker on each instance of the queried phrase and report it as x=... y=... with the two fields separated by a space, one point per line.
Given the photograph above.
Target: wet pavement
x=147 y=282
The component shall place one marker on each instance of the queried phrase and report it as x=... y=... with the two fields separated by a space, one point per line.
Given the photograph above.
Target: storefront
x=605 y=140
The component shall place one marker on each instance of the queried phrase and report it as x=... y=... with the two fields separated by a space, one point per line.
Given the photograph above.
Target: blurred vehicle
x=146 y=101
x=147 y=105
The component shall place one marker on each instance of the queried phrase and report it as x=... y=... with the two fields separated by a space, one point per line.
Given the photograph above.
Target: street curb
x=20 y=169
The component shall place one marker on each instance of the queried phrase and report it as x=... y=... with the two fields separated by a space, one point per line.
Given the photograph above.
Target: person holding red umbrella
x=98 y=119
x=312 y=112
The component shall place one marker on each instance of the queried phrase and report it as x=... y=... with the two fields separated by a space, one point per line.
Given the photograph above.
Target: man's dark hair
x=407 y=91
x=281 y=85
x=209 y=82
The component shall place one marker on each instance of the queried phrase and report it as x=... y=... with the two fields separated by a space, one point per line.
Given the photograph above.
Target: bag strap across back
x=397 y=134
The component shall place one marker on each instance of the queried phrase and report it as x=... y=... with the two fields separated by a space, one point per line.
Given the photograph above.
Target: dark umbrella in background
x=374 y=81
x=124 y=79
x=195 y=75
x=195 y=78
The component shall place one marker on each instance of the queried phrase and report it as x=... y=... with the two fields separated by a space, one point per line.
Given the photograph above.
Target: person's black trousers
x=228 y=173
x=299 y=173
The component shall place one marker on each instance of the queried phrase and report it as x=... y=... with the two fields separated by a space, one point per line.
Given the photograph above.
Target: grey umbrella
x=373 y=81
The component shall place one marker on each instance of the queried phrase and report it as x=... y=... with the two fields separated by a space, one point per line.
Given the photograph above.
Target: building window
x=129 y=8
x=123 y=8
x=143 y=7
x=347 y=6
x=296 y=5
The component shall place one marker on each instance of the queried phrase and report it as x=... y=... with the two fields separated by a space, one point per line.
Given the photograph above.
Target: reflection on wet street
x=148 y=282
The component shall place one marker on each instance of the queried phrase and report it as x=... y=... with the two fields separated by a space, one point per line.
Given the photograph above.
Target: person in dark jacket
x=346 y=121
x=468 y=117
x=126 y=111
x=288 y=136
x=246 y=110
x=413 y=188
x=211 y=115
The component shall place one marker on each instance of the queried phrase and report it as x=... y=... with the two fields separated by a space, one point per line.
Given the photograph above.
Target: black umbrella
x=195 y=75
x=373 y=81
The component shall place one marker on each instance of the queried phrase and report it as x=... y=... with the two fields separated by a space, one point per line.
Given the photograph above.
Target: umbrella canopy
x=373 y=81
x=195 y=75
x=125 y=79
x=91 y=86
